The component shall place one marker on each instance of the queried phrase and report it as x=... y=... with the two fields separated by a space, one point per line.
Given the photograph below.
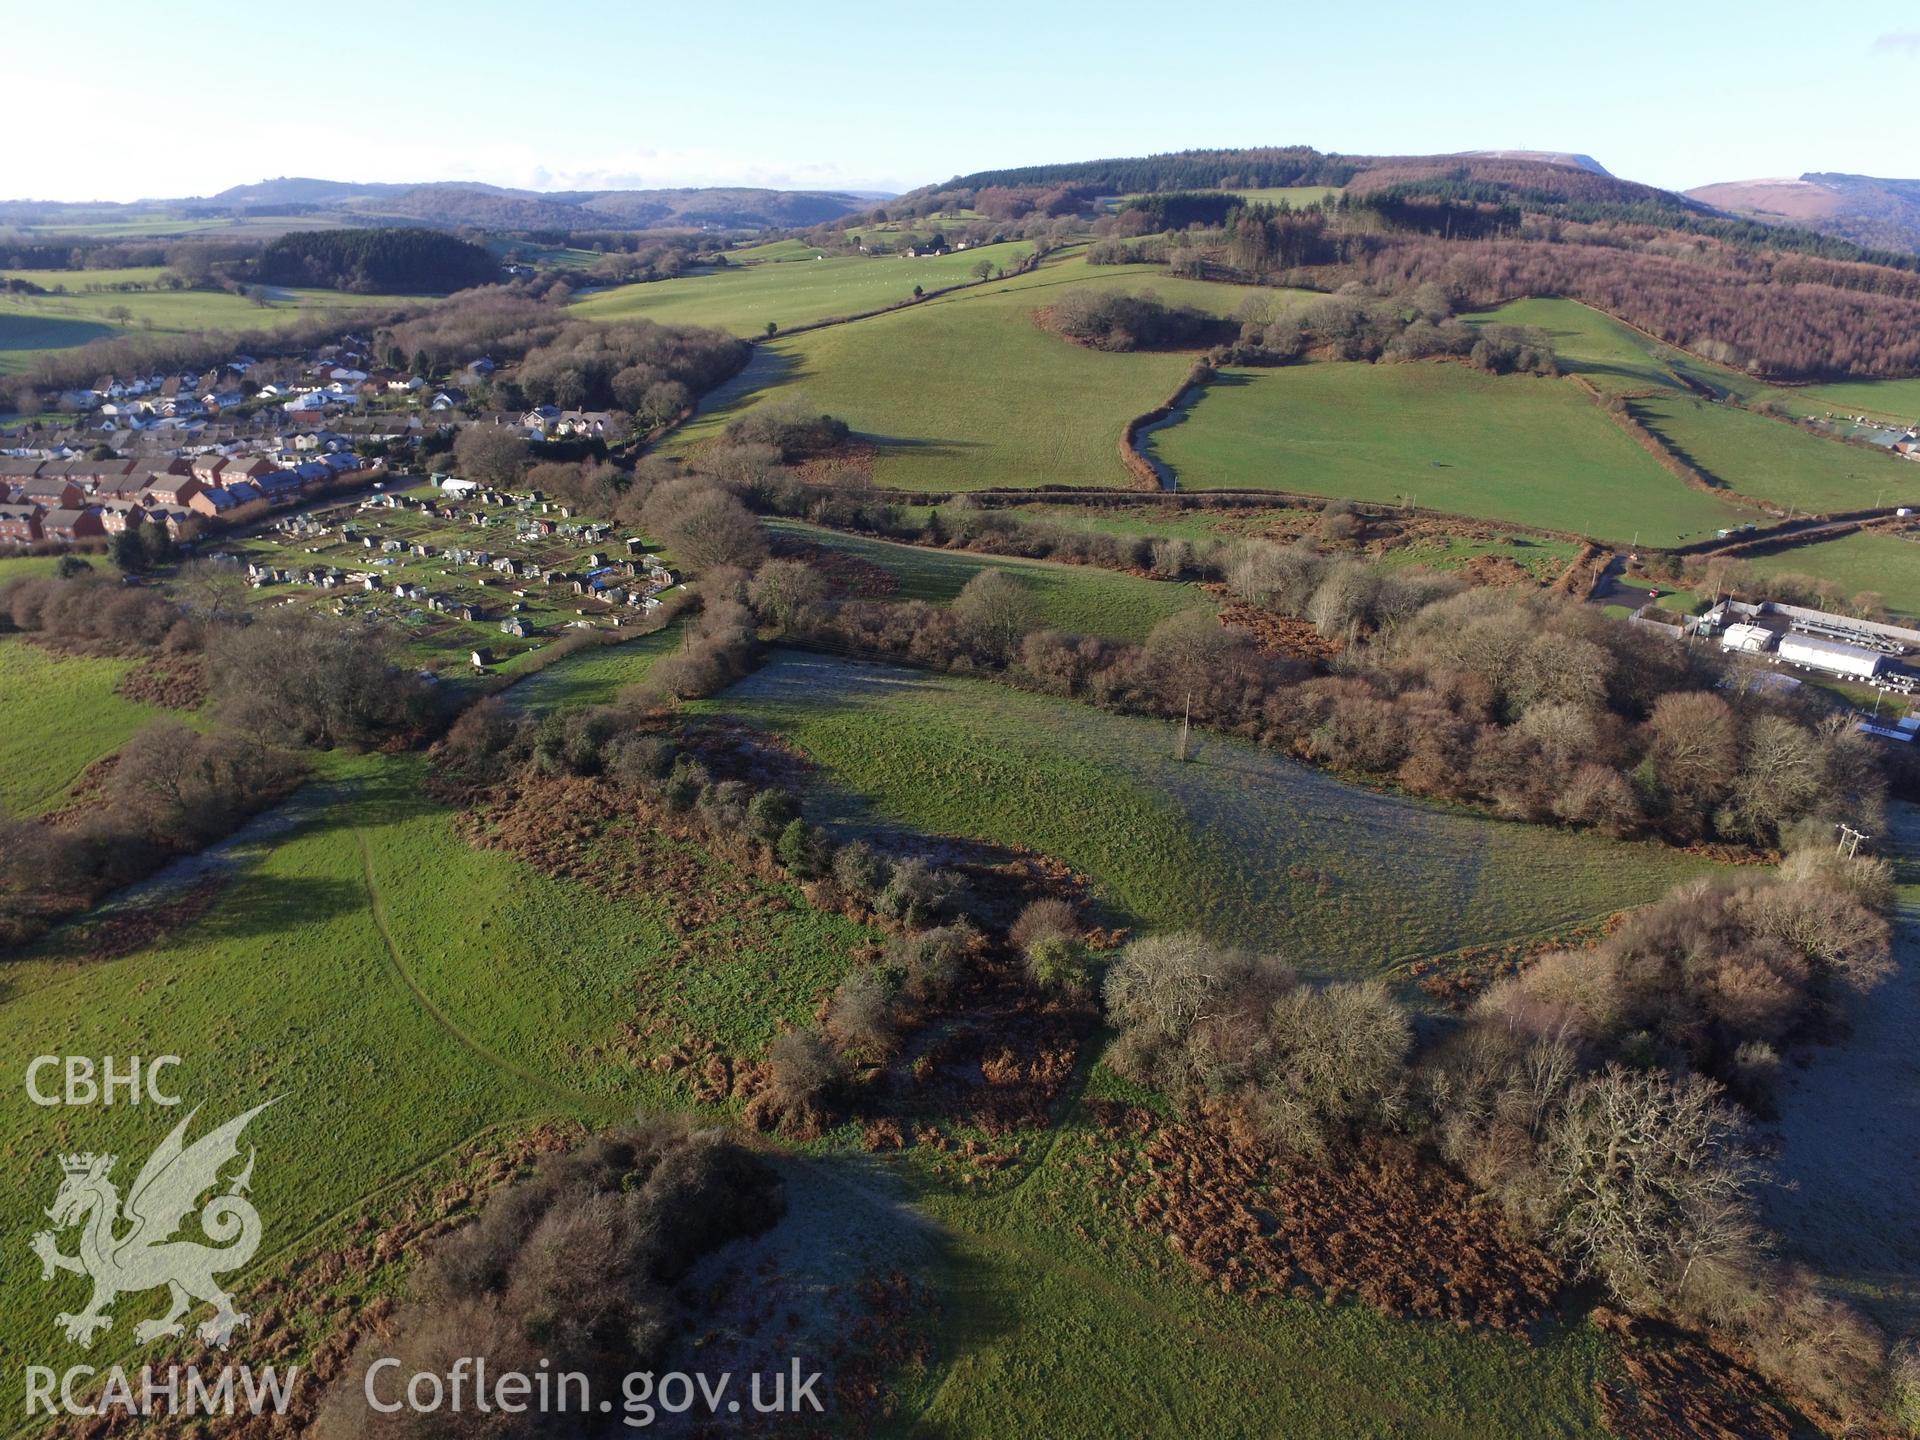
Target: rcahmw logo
x=130 y=1246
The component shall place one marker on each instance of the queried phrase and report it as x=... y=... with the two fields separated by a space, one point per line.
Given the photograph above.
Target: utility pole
x=1850 y=839
x=1186 y=728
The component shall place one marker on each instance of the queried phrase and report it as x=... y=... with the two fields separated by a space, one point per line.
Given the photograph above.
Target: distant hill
x=458 y=204
x=298 y=190
x=1881 y=214
x=1545 y=157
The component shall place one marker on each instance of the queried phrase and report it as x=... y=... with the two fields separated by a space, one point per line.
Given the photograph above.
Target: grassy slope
x=1887 y=564
x=1514 y=448
x=967 y=391
x=1776 y=461
x=1237 y=842
x=745 y=298
x=58 y=714
x=1588 y=342
x=1069 y=597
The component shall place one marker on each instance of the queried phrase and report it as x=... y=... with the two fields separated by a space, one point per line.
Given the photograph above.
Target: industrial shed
x=1832 y=656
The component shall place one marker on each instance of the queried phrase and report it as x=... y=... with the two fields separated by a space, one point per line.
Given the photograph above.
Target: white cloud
x=1898 y=42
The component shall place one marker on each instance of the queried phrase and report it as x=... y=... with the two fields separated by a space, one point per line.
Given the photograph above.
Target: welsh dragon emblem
x=131 y=1247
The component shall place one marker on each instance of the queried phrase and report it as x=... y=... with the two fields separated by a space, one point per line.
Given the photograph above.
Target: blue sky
x=886 y=96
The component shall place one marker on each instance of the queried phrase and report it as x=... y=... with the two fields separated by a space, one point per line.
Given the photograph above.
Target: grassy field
x=1069 y=597
x=746 y=298
x=1776 y=461
x=1887 y=401
x=594 y=676
x=1056 y=1321
x=1888 y=565
x=1543 y=559
x=32 y=323
x=967 y=391
x=13 y=567
x=58 y=714
x=1615 y=357
x=401 y=992
x=1890 y=400
x=1236 y=842
x=1294 y=195
x=1151 y=519
x=77 y=282
x=1515 y=448
x=791 y=248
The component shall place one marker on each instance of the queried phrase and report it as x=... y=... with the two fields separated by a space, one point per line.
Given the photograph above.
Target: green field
x=1069 y=597
x=1237 y=842
x=58 y=714
x=78 y=282
x=594 y=676
x=1890 y=400
x=33 y=323
x=1888 y=565
x=401 y=993
x=792 y=248
x=1057 y=1321
x=966 y=391
x=1615 y=357
x=1150 y=520
x=13 y=567
x=1541 y=558
x=1294 y=195
x=1775 y=461
x=746 y=298
x=1515 y=448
